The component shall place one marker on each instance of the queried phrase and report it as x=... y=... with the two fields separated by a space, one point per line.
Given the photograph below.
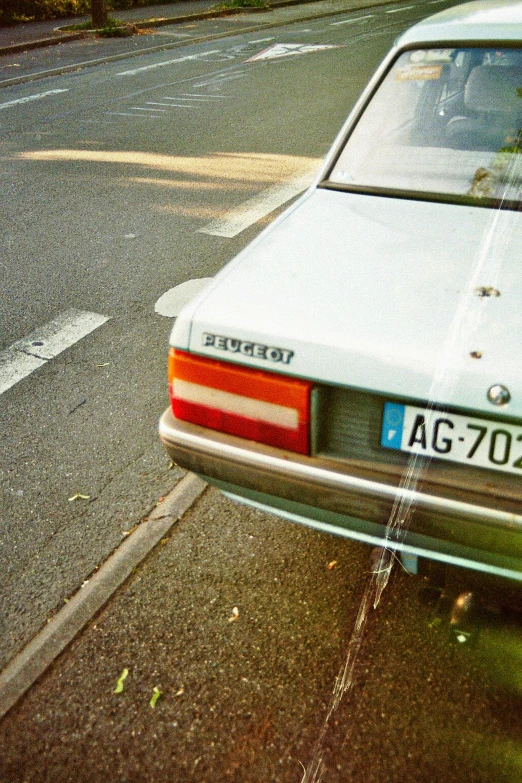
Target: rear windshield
x=445 y=122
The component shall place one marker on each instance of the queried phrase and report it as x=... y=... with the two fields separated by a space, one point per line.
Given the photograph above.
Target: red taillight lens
x=252 y=404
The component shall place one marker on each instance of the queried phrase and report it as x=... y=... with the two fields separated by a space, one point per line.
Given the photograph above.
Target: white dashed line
x=199 y=95
x=128 y=114
x=28 y=354
x=163 y=64
x=185 y=101
x=216 y=81
x=29 y=98
x=400 y=10
x=352 y=21
x=259 y=206
x=198 y=98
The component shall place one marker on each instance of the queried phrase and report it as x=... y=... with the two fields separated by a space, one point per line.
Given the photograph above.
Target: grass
x=112 y=29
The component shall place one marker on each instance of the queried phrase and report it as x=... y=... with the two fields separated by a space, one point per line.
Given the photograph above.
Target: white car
x=358 y=367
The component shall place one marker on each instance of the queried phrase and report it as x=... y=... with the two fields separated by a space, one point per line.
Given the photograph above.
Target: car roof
x=480 y=20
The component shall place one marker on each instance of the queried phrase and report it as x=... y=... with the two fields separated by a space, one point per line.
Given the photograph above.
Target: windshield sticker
x=432 y=56
x=416 y=73
x=255 y=350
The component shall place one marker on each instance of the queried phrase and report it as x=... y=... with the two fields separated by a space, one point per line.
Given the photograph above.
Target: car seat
x=493 y=100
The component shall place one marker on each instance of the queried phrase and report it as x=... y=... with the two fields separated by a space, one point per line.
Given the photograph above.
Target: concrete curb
x=201 y=39
x=57 y=39
x=60 y=631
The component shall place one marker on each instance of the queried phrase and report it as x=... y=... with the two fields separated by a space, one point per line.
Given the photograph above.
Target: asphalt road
x=243 y=623
x=110 y=173
x=111 y=176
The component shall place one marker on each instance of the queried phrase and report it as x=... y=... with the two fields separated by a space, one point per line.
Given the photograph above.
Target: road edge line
x=29 y=664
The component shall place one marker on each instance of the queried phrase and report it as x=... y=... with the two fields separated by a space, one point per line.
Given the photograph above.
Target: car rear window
x=445 y=122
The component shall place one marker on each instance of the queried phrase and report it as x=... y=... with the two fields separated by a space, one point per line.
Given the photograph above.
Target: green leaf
x=155 y=696
x=119 y=684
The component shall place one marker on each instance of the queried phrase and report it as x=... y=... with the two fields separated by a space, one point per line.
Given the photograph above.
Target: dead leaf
x=180 y=692
x=235 y=615
x=332 y=565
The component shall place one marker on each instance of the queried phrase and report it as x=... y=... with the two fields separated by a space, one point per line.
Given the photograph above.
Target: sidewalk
x=161 y=27
x=37 y=34
x=31 y=34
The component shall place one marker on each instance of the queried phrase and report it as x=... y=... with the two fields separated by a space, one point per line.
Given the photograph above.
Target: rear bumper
x=357 y=504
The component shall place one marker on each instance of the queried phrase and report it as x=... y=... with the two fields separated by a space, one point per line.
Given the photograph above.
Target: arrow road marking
x=28 y=354
x=289 y=50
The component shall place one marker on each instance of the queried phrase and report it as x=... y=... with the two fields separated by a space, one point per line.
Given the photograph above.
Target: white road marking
x=28 y=98
x=289 y=50
x=352 y=21
x=28 y=354
x=140 y=108
x=163 y=64
x=400 y=10
x=171 y=303
x=196 y=98
x=259 y=206
x=14 y=366
x=206 y=97
x=219 y=79
x=128 y=114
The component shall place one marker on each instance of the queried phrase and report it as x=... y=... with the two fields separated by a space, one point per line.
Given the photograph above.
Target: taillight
x=253 y=404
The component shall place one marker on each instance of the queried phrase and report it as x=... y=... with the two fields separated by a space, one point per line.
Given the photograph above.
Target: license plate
x=450 y=436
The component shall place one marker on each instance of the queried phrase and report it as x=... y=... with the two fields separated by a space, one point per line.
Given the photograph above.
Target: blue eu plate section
x=392 y=425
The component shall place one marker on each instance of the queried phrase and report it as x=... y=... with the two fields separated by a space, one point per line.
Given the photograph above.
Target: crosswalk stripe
x=28 y=354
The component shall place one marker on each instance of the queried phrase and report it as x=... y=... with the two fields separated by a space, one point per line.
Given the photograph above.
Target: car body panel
x=480 y=20
x=382 y=296
x=396 y=335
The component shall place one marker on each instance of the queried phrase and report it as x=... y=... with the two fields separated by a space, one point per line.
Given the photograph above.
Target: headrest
x=495 y=88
